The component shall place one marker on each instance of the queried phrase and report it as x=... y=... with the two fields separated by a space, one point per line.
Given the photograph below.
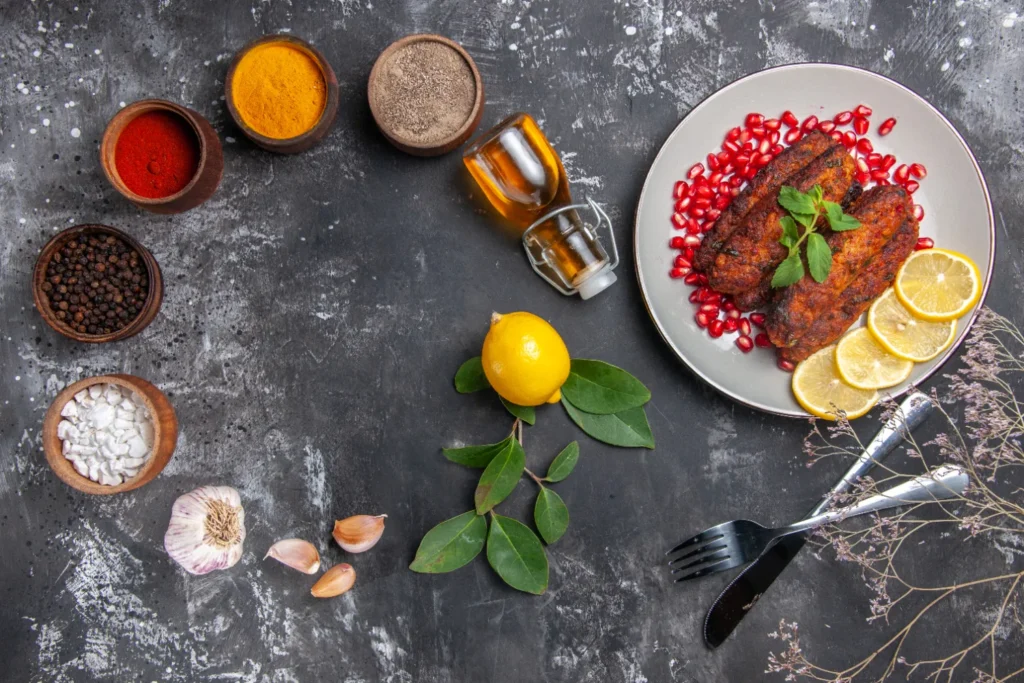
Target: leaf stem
x=536 y=479
x=795 y=249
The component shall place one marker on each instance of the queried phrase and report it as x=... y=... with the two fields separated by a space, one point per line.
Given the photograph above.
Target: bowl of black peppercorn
x=95 y=283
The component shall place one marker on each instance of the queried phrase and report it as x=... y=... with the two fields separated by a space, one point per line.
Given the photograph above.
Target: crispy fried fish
x=881 y=211
x=766 y=183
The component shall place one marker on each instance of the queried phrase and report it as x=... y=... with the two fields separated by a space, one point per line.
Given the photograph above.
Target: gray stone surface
x=318 y=306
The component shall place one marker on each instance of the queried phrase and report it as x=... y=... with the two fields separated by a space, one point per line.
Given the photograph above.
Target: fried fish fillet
x=876 y=277
x=881 y=211
x=754 y=249
x=766 y=183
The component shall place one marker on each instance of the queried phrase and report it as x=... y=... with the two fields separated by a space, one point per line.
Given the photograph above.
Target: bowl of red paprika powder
x=161 y=156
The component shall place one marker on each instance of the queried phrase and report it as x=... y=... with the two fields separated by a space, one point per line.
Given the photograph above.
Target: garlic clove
x=206 y=530
x=335 y=581
x=297 y=554
x=359 y=533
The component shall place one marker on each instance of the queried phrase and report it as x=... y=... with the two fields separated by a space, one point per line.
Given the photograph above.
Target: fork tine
x=714 y=545
x=706 y=536
x=711 y=569
x=707 y=559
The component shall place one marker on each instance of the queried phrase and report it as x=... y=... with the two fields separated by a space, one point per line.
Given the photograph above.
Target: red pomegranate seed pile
x=710 y=186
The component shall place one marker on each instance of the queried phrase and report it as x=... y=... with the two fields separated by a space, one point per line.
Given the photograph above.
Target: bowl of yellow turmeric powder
x=282 y=93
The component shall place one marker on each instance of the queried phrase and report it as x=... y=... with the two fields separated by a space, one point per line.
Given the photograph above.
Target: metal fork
x=740 y=541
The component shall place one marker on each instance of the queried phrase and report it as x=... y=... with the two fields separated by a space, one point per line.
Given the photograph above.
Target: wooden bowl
x=208 y=174
x=412 y=146
x=165 y=434
x=149 y=308
x=311 y=137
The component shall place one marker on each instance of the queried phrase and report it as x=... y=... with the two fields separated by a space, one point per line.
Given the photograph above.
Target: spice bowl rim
x=472 y=119
x=150 y=307
x=165 y=434
x=119 y=121
x=307 y=139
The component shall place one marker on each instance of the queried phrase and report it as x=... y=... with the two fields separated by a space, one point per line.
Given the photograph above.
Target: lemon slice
x=863 y=363
x=820 y=390
x=903 y=335
x=938 y=285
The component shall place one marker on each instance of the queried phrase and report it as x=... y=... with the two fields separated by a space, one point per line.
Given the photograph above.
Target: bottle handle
x=546 y=270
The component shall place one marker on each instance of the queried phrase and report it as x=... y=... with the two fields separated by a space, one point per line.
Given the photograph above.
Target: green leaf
x=818 y=194
x=795 y=201
x=476 y=456
x=525 y=413
x=517 y=555
x=564 y=462
x=470 y=377
x=806 y=219
x=819 y=257
x=601 y=388
x=833 y=211
x=451 y=544
x=628 y=428
x=790 y=233
x=551 y=515
x=845 y=222
x=500 y=477
x=789 y=271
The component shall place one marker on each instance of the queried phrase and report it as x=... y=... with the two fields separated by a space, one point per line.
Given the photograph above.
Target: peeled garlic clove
x=207 y=529
x=359 y=533
x=335 y=581
x=297 y=554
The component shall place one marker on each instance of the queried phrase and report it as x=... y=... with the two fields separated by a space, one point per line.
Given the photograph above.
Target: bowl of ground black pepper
x=426 y=94
x=94 y=283
x=161 y=156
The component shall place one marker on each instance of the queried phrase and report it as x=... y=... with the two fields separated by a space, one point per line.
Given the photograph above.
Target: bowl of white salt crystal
x=109 y=434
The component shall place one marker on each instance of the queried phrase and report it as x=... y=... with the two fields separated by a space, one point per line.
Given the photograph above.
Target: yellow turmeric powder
x=279 y=90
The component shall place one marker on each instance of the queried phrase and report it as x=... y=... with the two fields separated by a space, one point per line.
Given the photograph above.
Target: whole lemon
x=525 y=359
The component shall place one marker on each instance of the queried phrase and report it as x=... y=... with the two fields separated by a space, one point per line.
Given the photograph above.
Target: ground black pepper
x=96 y=284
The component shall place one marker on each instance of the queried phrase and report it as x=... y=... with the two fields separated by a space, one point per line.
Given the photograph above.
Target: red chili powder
x=157 y=154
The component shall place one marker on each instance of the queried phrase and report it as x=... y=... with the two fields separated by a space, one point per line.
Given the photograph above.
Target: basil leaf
x=550 y=515
x=517 y=555
x=476 y=456
x=470 y=377
x=806 y=219
x=564 y=462
x=833 y=211
x=819 y=257
x=846 y=222
x=500 y=477
x=451 y=544
x=525 y=413
x=795 y=201
x=628 y=428
x=817 y=193
x=788 y=272
x=790 y=233
x=601 y=388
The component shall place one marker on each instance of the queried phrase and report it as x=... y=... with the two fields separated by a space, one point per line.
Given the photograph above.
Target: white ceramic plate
x=958 y=212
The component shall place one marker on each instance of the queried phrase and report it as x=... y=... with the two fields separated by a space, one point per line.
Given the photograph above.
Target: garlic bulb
x=359 y=533
x=206 y=530
x=297 y=554
x=335 y=581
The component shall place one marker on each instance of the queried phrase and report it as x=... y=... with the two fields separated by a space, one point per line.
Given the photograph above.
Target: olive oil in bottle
x=523 y=178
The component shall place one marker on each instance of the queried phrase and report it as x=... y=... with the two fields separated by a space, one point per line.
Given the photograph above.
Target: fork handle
x=914 y=410
x=942 y=483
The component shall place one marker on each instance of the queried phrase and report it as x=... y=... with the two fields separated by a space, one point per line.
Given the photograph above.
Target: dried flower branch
x=986 y=441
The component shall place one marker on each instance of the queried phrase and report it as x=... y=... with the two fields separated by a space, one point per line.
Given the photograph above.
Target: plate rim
x=645 y=295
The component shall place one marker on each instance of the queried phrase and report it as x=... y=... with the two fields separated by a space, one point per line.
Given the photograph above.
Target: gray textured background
x=319 y=304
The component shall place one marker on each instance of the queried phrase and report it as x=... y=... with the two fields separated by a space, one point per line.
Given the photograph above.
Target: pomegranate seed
x=691 y=241
x=678 y=221
x=879 y=174
x=793 y=135
x=918 y=171
x=713 y=296
x=774 y=136
x=692 y=278
x=745 y=136
x=901 y=173
x=757 y=319
x=772 y=124
x=682 y=262
x=862 y=178
x=695 y=170
x=758 y=132
x=680 y=189
x=733 y=134
x=750 y=173
x=723 y=158
x=702 y=203
x=728 y=305
x=715 y=328
x=705 y=192
x=849 y=139
x=676 y=243
x=762 y=340
x=864 y=146
x=888 y=161
x=884 y=181
x=713 y=164
x=912 y=186
x=733 y=313
x=843 y=118
x=702 y=320
x=836 y=136
x=712 y=216
x=924 y=243
x=764 y=146
x=683 y=204
x=862 y=110
x=714 y=180
x=786 y=365
x=711 y=309
x=744 y=326
x=777 y=149
x=735 y=183
x=764 y=159
x=698 y=213
x=789 y=118
x=862 y=166
x=887 y=126
x=754 y=119
x=731 y=147
x=826 y=126
x=742 y=160
x=735 y=191
x=695 y=296
x=723 y=188
x=687 y=254
x=918 y=212
x=860 y=125
x=745 y=343
x=721 y=202
x=874 y=160
x=677 y=273
x=731 y=325
x=748 y=146
x=809 y=124
x=692 y=226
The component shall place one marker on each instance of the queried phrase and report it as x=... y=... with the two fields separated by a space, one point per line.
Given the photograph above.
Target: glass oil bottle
x=523 y=178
